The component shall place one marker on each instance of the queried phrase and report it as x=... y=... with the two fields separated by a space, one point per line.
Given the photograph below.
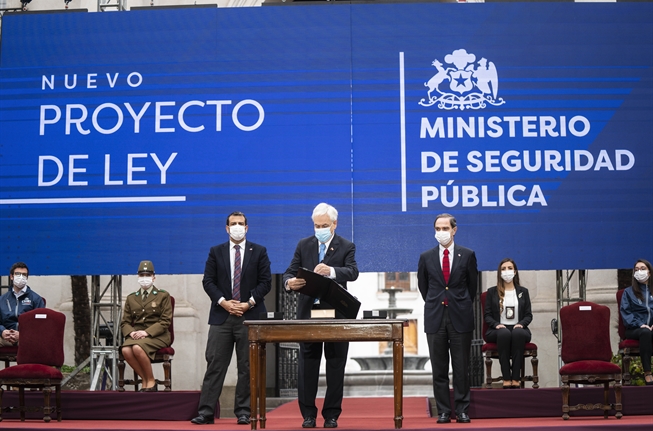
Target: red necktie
x=445 y=266
x=236 y=291
x=445 y=271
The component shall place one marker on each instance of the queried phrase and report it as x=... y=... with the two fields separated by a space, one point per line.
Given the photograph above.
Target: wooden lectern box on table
x=329 y=293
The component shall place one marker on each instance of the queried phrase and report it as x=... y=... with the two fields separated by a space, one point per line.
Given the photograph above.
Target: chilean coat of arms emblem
x=463 y=83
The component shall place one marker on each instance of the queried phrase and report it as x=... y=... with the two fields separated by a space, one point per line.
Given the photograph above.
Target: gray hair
x=324 y=208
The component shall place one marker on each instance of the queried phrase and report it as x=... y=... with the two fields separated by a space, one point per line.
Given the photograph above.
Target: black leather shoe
x=243 y=420
x=308 y=423
x=463 y=418
x=331 y=423
x=202 y=420
x=444 y=418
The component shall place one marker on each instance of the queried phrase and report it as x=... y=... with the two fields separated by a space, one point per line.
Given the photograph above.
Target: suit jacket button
x=446 y=288
x=442 y=302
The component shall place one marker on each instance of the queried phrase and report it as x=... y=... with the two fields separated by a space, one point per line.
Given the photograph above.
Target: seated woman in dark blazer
x=637 y=314
x=508 y=314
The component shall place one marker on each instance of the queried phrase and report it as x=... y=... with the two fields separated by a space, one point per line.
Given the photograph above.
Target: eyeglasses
x=24 y=274
x=640 y=268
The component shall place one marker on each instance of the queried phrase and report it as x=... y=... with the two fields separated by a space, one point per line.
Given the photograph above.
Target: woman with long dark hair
x=508 y=314
x=637 y=314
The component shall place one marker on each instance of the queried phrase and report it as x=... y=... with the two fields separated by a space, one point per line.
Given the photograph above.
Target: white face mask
x=641 y=276
x=237 y=232
x=443 y=236
x=145 y=282
x=20 y=281
x=508 y=275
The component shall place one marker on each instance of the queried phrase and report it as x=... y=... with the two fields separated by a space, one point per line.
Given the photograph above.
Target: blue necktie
x=321 y=258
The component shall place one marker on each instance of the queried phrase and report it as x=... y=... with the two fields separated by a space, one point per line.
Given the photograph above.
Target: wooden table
x=332 y=330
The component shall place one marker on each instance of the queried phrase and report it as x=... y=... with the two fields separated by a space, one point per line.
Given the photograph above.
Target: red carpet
x=358 y=414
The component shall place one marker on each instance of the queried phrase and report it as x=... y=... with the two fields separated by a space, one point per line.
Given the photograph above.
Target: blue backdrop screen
x=133 y=135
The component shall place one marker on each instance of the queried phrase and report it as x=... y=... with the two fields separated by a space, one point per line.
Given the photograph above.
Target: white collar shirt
x=20 y=292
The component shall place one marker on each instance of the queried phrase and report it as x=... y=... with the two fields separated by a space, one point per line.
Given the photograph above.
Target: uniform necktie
x=445 y=272
x=236 y=292
x=144 y=295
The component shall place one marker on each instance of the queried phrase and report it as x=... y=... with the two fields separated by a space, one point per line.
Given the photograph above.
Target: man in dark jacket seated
x=19 y=299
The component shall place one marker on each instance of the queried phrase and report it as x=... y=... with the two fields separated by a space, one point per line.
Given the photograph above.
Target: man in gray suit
x=236 y=278
x=447 y=278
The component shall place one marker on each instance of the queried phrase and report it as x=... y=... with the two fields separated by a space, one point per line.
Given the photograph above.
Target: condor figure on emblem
x=469 y=84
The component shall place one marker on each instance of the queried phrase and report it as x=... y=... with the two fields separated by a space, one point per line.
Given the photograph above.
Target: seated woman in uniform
x=637 y=314
x=508 y=314
x=145 y=322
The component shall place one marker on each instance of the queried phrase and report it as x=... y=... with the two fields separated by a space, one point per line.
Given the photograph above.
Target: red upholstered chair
x=40 y=357
x=586 y=354
x=163 y=356
x=491 y=351
x=8 y=353
x=627 y=348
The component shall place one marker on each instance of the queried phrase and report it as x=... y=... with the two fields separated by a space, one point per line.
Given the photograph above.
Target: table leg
x=253 y=387
x=398 y=363
x=261 y=382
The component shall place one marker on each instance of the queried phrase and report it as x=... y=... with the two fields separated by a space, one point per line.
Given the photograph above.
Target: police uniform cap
x=146 y=266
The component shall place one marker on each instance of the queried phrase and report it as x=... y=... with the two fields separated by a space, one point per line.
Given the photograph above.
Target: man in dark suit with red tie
x=236 y=278
x=333 y=256
x=447 y=278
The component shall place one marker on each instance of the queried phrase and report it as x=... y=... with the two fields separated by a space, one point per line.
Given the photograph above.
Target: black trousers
x=645 y=338
x=510 y=342
x=446 y=340
x=310 y=356
x=219 y=350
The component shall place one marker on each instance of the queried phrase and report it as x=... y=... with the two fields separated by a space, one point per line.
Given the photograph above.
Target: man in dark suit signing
x=447 y=278
x=333 y=256
x=236 y=278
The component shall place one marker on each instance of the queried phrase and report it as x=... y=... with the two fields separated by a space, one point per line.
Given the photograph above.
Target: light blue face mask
x=323 y=234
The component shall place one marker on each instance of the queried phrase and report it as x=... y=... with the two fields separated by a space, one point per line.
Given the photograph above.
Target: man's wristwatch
x=251 y=304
